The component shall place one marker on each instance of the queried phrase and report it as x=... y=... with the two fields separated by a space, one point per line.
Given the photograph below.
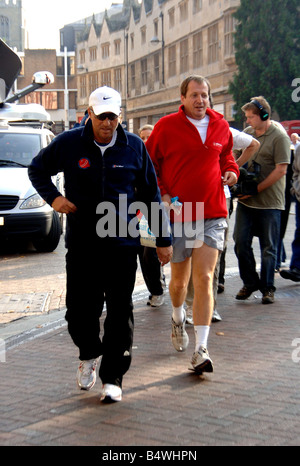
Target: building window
x=197 y=6
x=184 y=56
x=172 y=61
x=60 y=66
x=213 y=44
x=105 y=50
x=93 y=53
x=183 y=10
x=49 y=100
x=144 y=70
x=132 y=41
x=82 y=88
x=33 y=98
x=118 y=79
x=4 y=27
x=117 y=47
x=197 y=50
x=106 y=78
x=71 y=66
x=156 y=67
x=132 y=73
x=93 y=82
x=155 y=24
x=171 y=17
x=229 y=28
x=82 y=56
x=143 y=35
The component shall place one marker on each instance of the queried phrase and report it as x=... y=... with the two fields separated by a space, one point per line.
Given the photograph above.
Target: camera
x=247 y=182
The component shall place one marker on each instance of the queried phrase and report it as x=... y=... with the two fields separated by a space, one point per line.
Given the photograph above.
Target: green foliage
x=267 y=44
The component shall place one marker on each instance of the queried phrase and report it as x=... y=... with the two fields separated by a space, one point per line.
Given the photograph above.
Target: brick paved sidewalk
x=251 y=399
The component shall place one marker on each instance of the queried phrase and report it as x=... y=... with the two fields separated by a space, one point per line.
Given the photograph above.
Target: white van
x=23 y=213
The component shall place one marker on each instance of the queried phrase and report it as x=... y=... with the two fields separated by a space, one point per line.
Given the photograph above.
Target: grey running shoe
x=201 y=362
x=180 y=338
x=156 y=301
x=86 y=374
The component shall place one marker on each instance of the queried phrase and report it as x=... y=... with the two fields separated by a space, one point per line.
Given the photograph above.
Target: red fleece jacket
x=189 y=169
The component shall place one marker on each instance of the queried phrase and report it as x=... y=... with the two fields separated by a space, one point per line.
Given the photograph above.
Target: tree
x=267 y=55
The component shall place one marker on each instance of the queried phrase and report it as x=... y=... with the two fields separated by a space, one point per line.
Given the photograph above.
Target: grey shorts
x=190 y=235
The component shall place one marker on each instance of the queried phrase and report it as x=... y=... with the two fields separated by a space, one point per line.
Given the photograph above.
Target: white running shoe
x=189 y=315
x=216 y=316
x=86 y=374
x=201 y=361
x=110 y=393
x=180 y=338
x=156 y=301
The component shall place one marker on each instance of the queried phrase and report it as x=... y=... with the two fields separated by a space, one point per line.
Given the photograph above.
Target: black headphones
x=263 y=113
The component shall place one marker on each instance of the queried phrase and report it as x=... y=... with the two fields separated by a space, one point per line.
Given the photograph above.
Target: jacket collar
x=213 y=115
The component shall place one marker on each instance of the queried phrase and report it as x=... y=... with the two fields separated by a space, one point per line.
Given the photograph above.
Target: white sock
x=178 y=314
x=201 y=336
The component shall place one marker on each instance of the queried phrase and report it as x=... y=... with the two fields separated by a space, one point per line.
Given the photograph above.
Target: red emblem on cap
x=84 y=164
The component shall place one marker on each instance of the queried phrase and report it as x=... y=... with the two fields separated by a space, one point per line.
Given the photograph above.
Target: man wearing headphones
x=259 y=209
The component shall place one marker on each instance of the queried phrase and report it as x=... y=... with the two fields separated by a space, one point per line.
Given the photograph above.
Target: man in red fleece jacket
x=192 y=154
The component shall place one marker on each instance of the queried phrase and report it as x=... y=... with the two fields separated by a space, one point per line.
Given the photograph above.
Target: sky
x=44 y=18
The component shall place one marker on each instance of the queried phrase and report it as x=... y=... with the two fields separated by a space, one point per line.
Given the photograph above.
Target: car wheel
x=50 y=242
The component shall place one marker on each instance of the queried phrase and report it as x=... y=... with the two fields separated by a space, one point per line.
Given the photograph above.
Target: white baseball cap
x=105 y=99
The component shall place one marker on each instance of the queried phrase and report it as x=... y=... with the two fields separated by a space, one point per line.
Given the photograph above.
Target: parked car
x=23 y=213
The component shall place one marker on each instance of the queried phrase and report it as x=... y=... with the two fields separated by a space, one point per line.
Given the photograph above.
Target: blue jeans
x=295 y=261
x=265 y=224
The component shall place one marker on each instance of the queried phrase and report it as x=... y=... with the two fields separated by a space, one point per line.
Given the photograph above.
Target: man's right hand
x=166 y=199
x=63 y=206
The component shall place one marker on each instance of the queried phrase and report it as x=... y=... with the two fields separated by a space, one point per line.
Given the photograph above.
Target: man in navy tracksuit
x=104 y=167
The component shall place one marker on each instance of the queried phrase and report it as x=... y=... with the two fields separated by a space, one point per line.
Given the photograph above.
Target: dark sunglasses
x=103 y=116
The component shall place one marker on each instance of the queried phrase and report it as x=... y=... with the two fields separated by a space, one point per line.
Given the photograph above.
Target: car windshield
x=19 y=148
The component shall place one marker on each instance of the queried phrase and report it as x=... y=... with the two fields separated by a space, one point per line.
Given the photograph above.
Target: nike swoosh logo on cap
x=107 y=98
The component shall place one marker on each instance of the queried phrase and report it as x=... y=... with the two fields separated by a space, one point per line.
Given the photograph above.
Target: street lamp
x=155 y=40
x=66 y=91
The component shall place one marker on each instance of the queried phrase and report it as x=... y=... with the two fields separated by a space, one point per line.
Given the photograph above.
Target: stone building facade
x=147 y=49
